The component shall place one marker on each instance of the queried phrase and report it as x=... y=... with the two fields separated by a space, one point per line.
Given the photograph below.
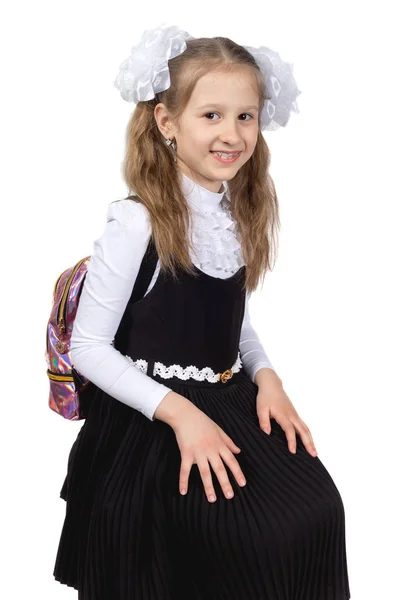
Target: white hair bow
x=145 y=73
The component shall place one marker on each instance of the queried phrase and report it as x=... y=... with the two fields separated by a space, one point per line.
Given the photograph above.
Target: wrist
x=265 y=375
x=172 y=408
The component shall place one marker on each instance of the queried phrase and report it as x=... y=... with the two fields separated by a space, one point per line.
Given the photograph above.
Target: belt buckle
x=225 y=375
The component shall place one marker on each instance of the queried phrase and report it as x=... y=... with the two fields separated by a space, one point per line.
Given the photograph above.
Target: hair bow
x=145 y=73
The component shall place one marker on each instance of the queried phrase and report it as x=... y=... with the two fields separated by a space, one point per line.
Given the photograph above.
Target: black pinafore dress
x=129 y=534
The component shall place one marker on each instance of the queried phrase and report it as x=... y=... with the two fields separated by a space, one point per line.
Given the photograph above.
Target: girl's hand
x=201 y=441
x=272 y=401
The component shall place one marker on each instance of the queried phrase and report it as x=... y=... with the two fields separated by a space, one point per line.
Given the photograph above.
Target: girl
x=193 y=477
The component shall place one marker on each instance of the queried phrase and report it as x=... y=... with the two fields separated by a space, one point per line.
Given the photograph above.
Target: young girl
x=193 y=477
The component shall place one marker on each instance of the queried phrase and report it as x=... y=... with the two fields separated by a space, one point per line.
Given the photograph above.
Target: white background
x=328 y=312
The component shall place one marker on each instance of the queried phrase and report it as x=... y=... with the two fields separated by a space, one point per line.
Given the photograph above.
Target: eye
x=214 y=113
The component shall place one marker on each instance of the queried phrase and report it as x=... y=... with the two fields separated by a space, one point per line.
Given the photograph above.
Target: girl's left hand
x=272 y=401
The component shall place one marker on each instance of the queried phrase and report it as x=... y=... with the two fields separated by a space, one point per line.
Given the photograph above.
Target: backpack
x=70 y=391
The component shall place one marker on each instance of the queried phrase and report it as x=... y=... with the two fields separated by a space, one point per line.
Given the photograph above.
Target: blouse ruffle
x=216 y=241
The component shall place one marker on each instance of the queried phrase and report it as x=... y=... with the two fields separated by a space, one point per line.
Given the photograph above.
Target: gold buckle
x=225 y=375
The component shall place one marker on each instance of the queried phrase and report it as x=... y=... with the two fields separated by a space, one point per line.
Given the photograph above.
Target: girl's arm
x=253 y=355
x=111 y=273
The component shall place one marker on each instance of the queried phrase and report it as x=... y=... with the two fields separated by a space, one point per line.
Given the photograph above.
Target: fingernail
x=211 y=498
x=183 y=492
x=242 y=482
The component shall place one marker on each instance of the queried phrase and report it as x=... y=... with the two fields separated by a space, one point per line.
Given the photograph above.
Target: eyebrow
x=220 y=105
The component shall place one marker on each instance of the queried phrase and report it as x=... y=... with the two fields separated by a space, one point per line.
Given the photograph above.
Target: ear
x=163 y=120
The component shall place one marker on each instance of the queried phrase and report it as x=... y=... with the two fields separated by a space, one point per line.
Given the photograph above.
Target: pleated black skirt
x=129 y=534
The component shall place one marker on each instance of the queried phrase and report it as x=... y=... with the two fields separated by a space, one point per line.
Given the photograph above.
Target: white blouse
x=111 y=273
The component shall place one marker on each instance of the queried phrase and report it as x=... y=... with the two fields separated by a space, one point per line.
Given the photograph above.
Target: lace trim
x=184 y=372
x=139 y=364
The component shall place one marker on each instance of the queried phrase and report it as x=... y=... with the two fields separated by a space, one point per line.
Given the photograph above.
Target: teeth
x=226 y=156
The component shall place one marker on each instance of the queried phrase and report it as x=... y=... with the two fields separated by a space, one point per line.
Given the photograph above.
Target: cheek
x=195 y=141
x=202 y=145
x=252 y=144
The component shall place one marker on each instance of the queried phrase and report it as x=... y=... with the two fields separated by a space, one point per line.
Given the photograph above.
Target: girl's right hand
x=201 y=441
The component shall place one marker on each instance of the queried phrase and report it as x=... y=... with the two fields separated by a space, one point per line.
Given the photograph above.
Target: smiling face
x=221 y=115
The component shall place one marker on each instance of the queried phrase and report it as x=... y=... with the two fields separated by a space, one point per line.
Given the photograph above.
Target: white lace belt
x=188 y=372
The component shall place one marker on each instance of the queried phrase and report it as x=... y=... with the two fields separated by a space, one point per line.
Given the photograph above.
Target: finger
x=265 y=423
x=186 y=465
x=220 y=471
x=234 y=466
x=205 y=474
x=229 y=441
x=306 y=436
x=290 y=431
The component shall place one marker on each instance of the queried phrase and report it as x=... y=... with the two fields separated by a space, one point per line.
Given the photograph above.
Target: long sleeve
x=111 y=273
x=253 y=355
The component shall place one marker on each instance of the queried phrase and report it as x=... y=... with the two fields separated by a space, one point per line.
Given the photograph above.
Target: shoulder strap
x=147 y=268
x=146 y=272
x=141 y=284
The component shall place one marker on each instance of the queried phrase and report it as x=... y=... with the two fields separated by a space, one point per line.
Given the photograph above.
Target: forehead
x=226 y=88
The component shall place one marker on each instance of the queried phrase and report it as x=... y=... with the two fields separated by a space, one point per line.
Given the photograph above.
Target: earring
x=172 y=145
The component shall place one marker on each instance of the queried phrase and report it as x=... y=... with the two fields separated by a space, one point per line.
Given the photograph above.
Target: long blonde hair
x=151 y=174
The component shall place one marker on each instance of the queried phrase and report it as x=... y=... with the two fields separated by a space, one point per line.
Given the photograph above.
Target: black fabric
x=128 y=533
x=194 y=321
x=140 y=286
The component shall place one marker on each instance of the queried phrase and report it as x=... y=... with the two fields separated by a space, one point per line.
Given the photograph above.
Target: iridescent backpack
x=70 y=391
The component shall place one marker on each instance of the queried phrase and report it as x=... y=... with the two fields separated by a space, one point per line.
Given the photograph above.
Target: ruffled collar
x=214 y=234
x=202 y=199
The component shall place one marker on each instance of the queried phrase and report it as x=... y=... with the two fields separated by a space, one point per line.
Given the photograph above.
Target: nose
x=229 y=133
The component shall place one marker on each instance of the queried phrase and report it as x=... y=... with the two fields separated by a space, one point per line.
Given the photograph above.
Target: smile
x=226 y=157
